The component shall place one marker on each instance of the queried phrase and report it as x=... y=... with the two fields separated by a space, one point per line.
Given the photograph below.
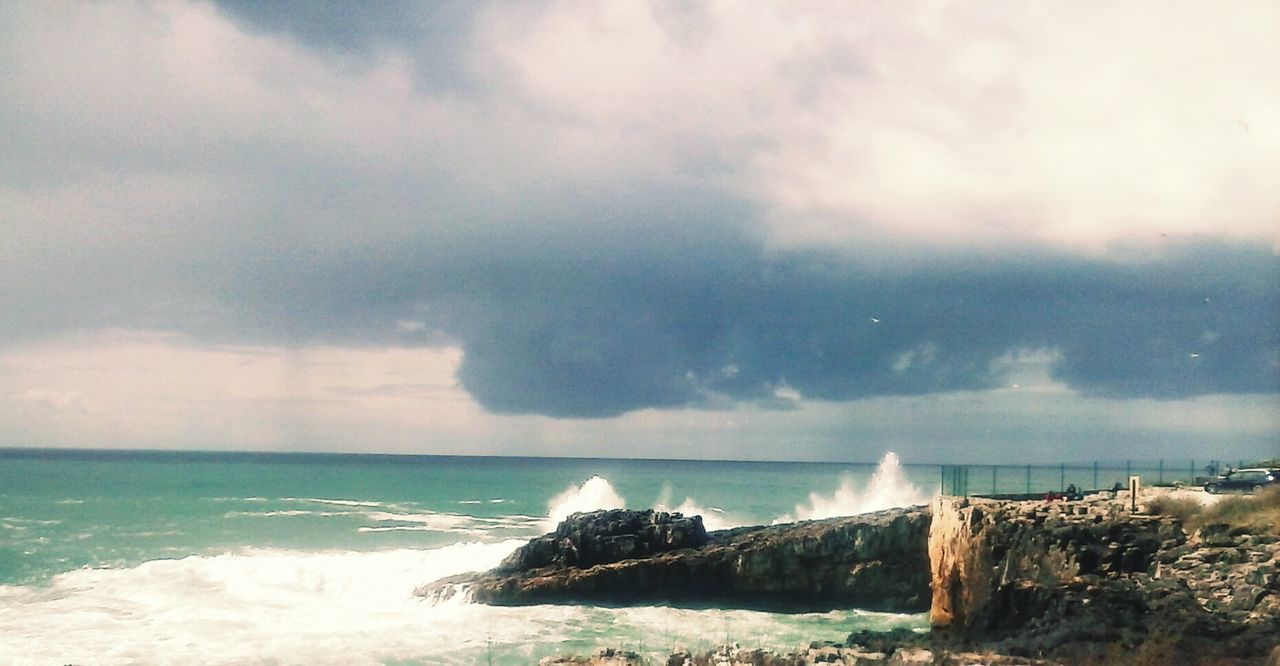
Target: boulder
x=584 y=540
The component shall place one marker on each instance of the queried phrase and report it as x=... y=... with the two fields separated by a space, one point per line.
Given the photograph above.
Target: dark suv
x=1244 y=481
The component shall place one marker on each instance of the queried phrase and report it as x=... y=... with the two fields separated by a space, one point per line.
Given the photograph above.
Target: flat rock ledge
x=876 y=561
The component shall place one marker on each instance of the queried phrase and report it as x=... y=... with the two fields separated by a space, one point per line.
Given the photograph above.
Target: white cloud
x=141 y=139
x=137 y=388
x=938 y=124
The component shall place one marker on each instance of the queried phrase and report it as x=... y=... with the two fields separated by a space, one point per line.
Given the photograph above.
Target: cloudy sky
x=988 y=232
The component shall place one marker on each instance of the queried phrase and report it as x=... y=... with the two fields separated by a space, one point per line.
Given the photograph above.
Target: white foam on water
x=254 y=606
x=266 y=606
x=29 y=521
x=887 y=488
x=595 y=493
x=260 y=606
x=339 y=502
x=439 y=521
x=284 y=513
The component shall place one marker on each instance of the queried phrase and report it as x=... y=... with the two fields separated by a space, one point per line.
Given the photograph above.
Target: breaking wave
x=887 y=488
x=595 y=493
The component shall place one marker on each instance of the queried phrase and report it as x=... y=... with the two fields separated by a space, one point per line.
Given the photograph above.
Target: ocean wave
x=594 y=493
x=252 y=606
x=286 y=513
x=29 y=521
x=339 y=502
x=887 y=488
x=283 y=606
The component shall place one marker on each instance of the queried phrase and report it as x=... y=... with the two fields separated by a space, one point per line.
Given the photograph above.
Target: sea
x=168 y=557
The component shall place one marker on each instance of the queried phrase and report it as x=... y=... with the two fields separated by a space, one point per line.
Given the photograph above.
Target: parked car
x=1244 y=481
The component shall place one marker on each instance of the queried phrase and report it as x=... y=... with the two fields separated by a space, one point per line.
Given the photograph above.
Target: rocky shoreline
x=1005 y=582
x=876 y=562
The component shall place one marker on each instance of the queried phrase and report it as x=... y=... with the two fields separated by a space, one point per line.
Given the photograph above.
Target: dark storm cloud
x=597 y=340
x=552 y=247
x=661 y=299
x=435 y=32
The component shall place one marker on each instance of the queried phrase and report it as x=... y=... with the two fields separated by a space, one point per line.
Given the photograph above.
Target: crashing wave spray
x=595 y=493
x=713 y=517
x=887 y=488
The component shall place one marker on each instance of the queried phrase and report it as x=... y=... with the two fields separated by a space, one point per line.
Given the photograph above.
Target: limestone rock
x=875 y=561
x=1035 y=578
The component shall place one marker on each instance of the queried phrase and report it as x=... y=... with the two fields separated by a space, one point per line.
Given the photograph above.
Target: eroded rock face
x=1072 y=578
x=876 y=561
x=978 y=547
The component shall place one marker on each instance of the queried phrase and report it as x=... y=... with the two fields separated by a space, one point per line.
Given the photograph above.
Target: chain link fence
x=1036 y=480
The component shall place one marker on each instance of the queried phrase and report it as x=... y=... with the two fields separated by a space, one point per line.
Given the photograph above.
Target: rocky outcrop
x=1009 y=582
x=875 y=561
x=601 y=537
x=1073 y=579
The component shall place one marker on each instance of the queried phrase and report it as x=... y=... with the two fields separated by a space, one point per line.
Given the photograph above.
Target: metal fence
x=1095 y=475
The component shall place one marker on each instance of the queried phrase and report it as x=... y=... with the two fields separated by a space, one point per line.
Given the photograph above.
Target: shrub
x=1258 y=513
x=1184 y=509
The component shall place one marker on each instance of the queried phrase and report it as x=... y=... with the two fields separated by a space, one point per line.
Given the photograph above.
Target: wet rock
x=875 y=561
x=599 y=537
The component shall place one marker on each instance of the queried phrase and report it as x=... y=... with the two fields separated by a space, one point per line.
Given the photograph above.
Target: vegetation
x=1259 y=513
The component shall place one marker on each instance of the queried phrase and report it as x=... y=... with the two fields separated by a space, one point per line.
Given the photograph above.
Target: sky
x=966 y=232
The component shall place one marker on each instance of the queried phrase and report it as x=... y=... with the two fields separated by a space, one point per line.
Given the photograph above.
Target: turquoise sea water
x=168 y=557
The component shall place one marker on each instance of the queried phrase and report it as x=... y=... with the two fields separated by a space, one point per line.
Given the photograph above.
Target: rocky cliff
x=875 y=561
x=1070 y=579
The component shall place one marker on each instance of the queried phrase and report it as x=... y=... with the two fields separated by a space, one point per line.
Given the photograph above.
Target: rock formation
x=600 y=537
x=876 y=561
x=1070 y=579
x=1017 y=581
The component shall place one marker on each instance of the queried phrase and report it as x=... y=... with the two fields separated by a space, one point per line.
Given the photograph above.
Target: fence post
x=1128 y=468
x=1095 y=475
x=1062 y=477
x=1160 y=477
x=1193 y=472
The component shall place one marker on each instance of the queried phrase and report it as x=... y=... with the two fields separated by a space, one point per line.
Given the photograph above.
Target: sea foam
x=887 y=488
x=252 y=606
x=595 y=493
